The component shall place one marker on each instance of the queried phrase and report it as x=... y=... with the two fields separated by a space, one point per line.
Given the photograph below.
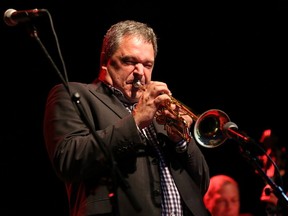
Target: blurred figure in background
x=278 y=154
x=223 y=197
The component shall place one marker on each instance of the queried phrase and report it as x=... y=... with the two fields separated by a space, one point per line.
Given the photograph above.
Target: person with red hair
x=223 y=197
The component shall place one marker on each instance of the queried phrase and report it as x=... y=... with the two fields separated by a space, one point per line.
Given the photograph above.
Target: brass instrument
x=208 y=128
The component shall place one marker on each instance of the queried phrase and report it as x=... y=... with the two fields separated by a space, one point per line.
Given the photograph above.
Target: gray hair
x=117 y=31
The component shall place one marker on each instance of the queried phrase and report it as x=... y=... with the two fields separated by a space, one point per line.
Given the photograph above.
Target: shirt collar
x=120 y=95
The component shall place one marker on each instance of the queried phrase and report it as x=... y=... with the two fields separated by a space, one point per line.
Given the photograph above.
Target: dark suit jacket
x=79 y=161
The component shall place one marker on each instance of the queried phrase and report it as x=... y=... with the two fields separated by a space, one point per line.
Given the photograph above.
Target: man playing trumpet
x=163 y=173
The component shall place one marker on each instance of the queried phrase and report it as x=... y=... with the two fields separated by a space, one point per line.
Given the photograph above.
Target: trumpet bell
x=208 y=129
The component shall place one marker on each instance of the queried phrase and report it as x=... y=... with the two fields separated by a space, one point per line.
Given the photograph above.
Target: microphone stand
x=244 y=140
x=116 y=176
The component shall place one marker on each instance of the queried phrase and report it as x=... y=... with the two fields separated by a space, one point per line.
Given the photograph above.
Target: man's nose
x=139 y=69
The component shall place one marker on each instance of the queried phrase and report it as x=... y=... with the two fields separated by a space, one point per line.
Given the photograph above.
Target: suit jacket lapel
x=108 y=98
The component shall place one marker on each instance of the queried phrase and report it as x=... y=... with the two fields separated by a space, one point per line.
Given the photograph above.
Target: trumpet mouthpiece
x=137 y=84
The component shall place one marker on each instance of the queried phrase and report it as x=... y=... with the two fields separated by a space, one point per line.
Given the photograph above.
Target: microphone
x=231 y=130
x=12 y=17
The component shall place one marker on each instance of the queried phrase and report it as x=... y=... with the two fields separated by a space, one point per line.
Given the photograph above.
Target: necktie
x=171 y=201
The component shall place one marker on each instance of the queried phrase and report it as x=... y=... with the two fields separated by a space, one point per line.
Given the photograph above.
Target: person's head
x=128 y=54
x=222 y=197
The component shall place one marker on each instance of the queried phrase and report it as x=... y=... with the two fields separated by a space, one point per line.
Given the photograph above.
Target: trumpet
x=208 y=127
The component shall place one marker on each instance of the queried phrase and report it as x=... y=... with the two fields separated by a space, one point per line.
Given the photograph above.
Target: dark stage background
x=230 y=55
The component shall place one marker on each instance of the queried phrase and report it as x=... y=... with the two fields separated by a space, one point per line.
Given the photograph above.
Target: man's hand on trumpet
x=156 y=101
x=155 y=95
x=176 y=122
